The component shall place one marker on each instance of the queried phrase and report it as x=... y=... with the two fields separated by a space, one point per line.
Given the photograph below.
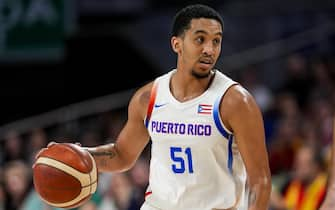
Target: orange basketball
x=65 y=175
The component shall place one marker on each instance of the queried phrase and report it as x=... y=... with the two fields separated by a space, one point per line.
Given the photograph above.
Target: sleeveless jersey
x=195 y=164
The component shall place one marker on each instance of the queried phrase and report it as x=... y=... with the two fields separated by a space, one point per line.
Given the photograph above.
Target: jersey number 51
x=181 y=157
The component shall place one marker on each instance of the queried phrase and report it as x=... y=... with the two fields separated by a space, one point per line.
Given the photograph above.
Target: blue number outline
x=180 y=168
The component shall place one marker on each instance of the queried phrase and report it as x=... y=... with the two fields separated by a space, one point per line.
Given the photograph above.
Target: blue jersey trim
x=216 y=115
x=222 y=130
x=230 y=154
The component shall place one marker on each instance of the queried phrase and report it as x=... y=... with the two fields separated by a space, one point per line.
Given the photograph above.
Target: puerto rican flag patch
x=205 y=109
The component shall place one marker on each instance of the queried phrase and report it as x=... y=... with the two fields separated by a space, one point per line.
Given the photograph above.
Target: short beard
x=200 y=76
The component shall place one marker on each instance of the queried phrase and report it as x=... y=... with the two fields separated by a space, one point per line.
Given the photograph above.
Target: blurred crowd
x=298 y=120
x=298 y=125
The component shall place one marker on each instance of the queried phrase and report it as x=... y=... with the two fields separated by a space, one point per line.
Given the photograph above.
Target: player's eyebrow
x=205 y=32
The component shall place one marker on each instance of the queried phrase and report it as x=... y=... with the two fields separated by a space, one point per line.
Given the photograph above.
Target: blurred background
x=68 y=69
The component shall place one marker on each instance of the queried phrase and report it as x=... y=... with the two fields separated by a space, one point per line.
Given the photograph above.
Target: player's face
x=201 y=46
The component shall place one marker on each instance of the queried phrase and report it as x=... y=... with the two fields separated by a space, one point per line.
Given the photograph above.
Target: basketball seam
x=91 y=176
x=90 y=184
x=96 y=181
x=79 y=154
x=69 y=203
x=86 y=164
x=92 y=171
x=61 y=162
x=77 y=171
x=84 y=190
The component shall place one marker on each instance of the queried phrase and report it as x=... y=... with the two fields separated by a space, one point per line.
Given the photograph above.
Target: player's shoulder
x=238 y=97
x=142 y=94
x=141 y=97
x=237 y=102
x=139 y=102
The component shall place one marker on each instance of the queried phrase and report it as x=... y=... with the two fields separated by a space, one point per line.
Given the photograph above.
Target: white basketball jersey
x=195 y=164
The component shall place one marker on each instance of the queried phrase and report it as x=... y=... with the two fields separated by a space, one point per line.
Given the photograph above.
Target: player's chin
x=204 y=67
x=202 y=72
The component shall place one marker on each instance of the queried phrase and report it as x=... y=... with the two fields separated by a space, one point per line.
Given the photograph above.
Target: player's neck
x=186 y=87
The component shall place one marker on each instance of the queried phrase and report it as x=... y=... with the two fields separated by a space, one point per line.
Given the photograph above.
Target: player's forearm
x=108 y=158
x=259 y=194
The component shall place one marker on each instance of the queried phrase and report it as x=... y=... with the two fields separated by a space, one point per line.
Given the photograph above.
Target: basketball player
x=208 y=144
x=329 y=202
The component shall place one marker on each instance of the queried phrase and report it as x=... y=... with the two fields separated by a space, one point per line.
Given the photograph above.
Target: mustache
x=207 y=59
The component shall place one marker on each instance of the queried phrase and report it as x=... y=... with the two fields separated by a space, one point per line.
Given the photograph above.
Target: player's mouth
x=206 y=63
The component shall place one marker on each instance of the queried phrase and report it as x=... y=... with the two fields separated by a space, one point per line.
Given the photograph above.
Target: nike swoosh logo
x=160 y=105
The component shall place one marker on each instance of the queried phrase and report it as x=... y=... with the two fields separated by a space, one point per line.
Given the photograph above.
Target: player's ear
x=175 y=44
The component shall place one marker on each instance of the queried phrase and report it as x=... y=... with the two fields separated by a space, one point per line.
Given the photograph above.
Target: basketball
x=65 y=175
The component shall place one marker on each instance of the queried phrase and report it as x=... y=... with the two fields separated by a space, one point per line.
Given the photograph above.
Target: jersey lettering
x=181 y=128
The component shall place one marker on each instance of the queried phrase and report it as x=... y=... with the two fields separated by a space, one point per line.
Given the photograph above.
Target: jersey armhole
x=222 y=128
x=152 y=99
x=216 y=112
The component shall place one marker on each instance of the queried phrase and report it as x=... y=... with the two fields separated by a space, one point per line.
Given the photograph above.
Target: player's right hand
x=49 y=145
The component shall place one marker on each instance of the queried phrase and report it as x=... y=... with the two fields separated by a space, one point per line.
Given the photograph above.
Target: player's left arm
x=243 y=117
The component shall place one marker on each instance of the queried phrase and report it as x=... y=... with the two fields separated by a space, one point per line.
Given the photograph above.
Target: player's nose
x=208 y=49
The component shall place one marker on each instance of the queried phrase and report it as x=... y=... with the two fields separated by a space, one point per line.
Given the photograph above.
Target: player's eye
x=216 y=41
x=200 y=40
